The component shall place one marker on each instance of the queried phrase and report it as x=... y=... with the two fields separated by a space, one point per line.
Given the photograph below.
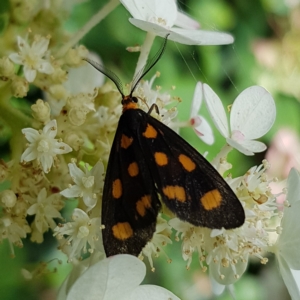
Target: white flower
x=226 y=252
x=152 y=96
x=252 y=115
x=160 y=238
x=117 y=278
x=45 y=210
x=32 y=57
x=88 y=183
x=43 y=145
x=83 y=234
x=288 y=244
x=199 y=123
x=159 y=18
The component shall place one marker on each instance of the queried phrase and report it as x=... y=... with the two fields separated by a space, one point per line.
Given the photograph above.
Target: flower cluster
x=60 y=153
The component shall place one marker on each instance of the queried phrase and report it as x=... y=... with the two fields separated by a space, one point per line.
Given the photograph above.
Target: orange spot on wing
x=117 y=189
x=150 y=132
x=161 y=158
x=126 y=141
x=122 y=231
x=143 y=204
x=133 y=169
x=186 y=162
x=175 y=192
x=211 y=199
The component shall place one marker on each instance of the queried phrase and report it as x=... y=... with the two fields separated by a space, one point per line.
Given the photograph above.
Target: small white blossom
x=45 y=209
x=152 y=96
x=32 y=57
x=227 y=252
x=252 y=115
x=43 y=146
x=159 y=18
x=160 y=238
x=83 y=234
x=88 y=183
x=114 y=278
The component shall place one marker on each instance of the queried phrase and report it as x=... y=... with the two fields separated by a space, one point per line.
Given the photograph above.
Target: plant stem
x=145 y=50
x=97 y=18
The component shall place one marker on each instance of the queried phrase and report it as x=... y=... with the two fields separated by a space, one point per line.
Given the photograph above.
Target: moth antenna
x=108 y=73
x=149 y=65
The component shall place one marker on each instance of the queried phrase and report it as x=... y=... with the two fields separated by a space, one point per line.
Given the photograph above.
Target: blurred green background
x=265 y=52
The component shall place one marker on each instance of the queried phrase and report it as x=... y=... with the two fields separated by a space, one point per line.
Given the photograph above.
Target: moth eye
x=134 y=99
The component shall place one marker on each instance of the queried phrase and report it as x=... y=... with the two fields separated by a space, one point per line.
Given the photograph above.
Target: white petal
x=89 y=201
x=149 y=10
x=29 y=73
x=288 y=279
x=76 y=173
x=50 y=129
x=29 y=154
x=216 y=110
x=110 y=279
x=22 y=43
x=40 y=46
x=293 y=185
x=84 y=79
x=31 y=134
x=16 y=58
x=289 y=240
x=73 y=191
x=201 y=37
x=253 y=112
x=186 y=22
x=45 y=67
x=152 y=27
x=62 y=148
x=207 y=133
x=46 y=162
x=239 y=146
x=80 y=214
x=217 y=288
x=197 y=99
x=249 y=146
x=152 y=292
x=32 y=210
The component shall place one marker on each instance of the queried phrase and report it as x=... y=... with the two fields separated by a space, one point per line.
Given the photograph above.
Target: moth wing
x=188 y=184
x=130 y=202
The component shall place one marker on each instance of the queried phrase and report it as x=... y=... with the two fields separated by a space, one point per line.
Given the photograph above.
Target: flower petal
x=84 y=79
x=73 y=191
x=288 y=278
x=186 y=22
x=200 y=37
x=289 y=240
x=253 y=112
x=152 y=292
x=205 y=132
x=109 y=279
x=247 y=147
x=16 y=58
x=31 y=134
x=45 y=67
x=29 y=154
x=216 y=110
x=151 y=10
x=50 y=129
x=197 y=99
x=76 y=173
x=29 y=73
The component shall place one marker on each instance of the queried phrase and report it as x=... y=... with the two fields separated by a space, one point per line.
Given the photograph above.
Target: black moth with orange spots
x=148 y=163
